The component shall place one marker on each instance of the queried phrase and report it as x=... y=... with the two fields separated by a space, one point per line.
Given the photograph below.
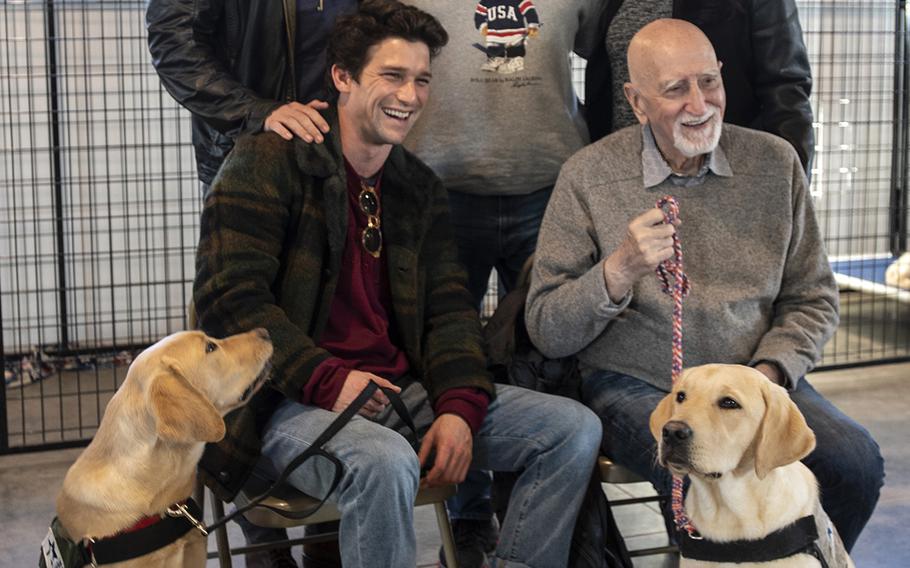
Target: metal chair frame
x=611 y=472
x=269 y=514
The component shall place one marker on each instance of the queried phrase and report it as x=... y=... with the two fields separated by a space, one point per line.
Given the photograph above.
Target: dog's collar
x=798 y=537
x=146 y=535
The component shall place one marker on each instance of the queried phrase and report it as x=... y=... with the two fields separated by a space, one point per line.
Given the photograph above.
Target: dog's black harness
x=799 y=537
x=146 y=536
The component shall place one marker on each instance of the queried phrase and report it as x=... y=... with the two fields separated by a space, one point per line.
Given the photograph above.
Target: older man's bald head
x=676 y=89
x=662 y=41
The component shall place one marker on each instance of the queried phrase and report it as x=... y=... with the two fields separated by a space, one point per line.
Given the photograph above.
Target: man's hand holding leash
x=354 y=384
x=648 y=242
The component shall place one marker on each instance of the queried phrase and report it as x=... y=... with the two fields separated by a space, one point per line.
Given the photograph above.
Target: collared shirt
x=655 y=169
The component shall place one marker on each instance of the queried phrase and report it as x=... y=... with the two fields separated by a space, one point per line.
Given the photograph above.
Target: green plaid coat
x=270 y=247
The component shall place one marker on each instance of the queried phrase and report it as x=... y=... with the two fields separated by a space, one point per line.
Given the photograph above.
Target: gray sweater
x=489 y=133
x=762 y=289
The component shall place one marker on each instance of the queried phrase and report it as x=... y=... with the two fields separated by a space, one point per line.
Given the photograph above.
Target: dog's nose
x=262 y=333
x=676 y=431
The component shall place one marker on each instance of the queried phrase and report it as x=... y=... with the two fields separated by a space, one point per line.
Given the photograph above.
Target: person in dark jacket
x=243 y=66
x=344 y=252
x=765 y=66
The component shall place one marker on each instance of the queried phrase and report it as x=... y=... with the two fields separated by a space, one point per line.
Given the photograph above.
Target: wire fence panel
x=99 y=202
x=98 y=211
x=858 y=55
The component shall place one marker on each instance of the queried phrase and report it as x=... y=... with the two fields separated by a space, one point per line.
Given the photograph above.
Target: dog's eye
x=680 y=396
x=728 y=403
x=210 y=346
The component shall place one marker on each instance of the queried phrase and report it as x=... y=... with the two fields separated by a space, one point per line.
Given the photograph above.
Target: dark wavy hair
x=375 y=21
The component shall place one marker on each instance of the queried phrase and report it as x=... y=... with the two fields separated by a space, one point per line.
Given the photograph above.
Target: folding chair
x=287 y=499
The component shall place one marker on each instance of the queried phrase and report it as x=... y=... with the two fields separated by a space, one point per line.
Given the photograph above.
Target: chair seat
x=611 y=472
x=286 y=498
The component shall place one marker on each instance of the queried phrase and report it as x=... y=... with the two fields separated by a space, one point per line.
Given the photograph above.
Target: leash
x=675 y=283
x=316 y=449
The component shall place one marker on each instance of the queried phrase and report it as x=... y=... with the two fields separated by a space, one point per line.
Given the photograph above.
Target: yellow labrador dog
x=739 y=437
x=143 y=458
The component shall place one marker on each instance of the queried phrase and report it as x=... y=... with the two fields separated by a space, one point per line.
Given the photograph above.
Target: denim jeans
x=496 y=232
x=491 y=232
x=846 y=460
x=551 y=440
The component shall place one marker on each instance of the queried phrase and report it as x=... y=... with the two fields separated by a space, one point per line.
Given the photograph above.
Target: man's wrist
x=468 y=403
x=771 y=370
x=614 y=280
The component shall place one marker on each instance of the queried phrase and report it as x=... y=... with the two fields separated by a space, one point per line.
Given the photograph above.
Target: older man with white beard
x=762 y=293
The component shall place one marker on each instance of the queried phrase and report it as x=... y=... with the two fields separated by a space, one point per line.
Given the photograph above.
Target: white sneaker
x=492 y=64
x=512 y=65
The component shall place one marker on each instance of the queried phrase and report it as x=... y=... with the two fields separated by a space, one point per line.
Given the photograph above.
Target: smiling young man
x=762 y=292
x=344 y=252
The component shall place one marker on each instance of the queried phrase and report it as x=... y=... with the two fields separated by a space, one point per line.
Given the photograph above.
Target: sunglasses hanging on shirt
x=371 y=237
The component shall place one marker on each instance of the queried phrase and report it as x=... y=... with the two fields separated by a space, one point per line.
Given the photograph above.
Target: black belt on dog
x=133 y=544
x=129 y=544
x=797 y=538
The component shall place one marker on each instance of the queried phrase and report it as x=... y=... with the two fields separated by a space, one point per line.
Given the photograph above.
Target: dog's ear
x=661 y=416
x=182 y=414
x=783 y=436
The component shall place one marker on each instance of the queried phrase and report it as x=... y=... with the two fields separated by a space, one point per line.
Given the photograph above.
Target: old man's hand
x=648 y=242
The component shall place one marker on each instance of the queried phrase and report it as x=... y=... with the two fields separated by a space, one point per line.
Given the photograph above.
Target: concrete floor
x=878 y=397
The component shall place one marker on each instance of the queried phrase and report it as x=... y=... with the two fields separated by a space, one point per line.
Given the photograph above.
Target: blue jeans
x=846 y=460
x=496 y=232
x=552 y=441
x=491 y=232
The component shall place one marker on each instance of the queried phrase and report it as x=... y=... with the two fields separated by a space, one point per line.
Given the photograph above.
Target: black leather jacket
x=228 y=62
x=765 y=68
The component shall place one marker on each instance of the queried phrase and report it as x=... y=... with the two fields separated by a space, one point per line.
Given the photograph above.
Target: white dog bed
x=867 y=274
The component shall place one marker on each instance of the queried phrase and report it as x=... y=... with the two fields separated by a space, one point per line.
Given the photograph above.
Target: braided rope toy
x=675 y=283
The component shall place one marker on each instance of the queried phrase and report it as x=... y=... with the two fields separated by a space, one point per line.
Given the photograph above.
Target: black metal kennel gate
x=99 y=203
x=98 y=213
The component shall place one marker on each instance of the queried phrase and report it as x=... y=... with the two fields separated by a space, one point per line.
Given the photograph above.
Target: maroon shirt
x=358 y=333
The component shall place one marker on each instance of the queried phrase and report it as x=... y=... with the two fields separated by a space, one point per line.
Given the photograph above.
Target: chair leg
x=445 y=533
x=221 y=536
x=199 y=496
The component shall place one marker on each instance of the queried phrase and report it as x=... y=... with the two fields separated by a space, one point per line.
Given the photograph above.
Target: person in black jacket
x=765 y=66
x=243 y=66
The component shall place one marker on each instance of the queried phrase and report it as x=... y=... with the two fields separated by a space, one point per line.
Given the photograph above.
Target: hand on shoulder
x=301 y=120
